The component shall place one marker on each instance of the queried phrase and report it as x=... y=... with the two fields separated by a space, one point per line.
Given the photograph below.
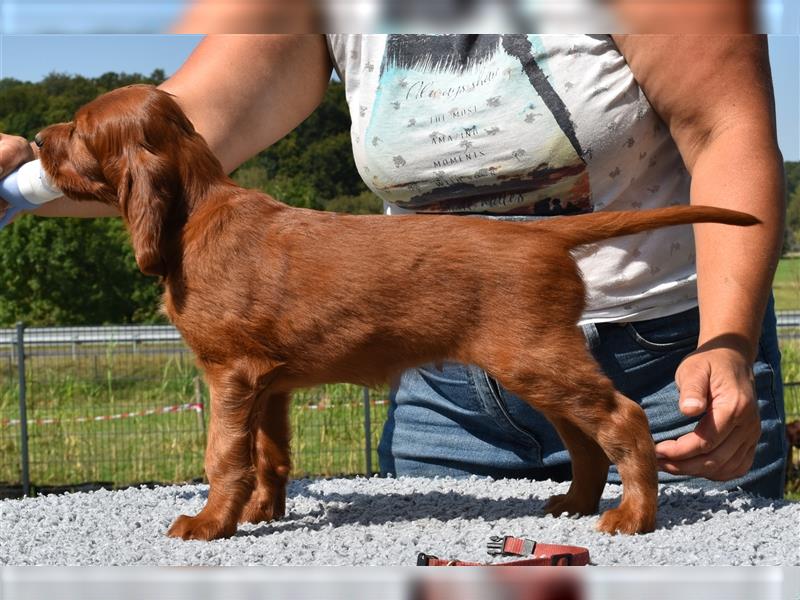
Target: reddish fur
x=793 y=441
x=272 y=298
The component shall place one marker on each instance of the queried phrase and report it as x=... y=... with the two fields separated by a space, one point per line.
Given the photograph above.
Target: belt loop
x=592 y=335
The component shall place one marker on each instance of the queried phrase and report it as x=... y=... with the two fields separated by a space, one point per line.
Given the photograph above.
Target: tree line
x=82 y=271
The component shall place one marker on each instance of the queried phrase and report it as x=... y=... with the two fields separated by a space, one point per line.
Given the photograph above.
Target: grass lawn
x=70 y=392
x=786 y=286
x=786 y=289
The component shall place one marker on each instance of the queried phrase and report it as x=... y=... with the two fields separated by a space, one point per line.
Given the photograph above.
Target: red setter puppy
x=272 y=298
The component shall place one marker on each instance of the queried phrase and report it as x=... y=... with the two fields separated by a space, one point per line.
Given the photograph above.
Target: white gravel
x=388 y=521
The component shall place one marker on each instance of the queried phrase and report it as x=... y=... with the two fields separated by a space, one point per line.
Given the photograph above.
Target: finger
x=744 y=464
x=713 y=468
x=735 y=408
x=692 y=379
x=710 y=432
x=731 y=459
x=706 y=464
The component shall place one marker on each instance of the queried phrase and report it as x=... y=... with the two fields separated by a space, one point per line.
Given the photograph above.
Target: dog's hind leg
x=596 y=423
x=271 y=457
x=625 y=437
x=229 y=460
x=589 y=472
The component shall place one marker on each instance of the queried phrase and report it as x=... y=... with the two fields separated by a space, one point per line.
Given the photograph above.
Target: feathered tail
x=587 y=229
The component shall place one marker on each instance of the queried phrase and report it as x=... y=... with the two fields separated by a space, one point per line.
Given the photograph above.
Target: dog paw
x=570 y=504
x=263 y=511
x=627 y=521
x=199 y=528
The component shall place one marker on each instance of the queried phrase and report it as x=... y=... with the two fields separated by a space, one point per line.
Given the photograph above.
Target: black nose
x=38 y=140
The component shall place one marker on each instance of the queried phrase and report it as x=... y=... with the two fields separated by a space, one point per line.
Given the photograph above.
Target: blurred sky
x=88 y=16
x=31 y=57
x=156 y=16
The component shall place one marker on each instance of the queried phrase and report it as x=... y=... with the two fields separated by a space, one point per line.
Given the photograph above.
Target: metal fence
x=85 y=407
x=112 y=406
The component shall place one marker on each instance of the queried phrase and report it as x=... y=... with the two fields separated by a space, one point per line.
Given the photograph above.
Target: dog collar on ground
x=545 y=555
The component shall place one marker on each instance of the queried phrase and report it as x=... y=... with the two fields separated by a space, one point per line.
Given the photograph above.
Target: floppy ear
x=145 y=195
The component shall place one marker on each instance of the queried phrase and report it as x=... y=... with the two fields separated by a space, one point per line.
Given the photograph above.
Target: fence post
x=198 y=399
x=23 y=412
x=367 y=432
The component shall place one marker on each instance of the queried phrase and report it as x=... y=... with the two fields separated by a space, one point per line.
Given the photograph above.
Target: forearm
x=64 y=207
x=244 y=93
x=742 y=169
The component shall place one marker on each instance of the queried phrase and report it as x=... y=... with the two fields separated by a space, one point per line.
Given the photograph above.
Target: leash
x=539 y=555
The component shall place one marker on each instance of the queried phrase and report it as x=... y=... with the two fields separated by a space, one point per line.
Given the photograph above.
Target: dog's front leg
x=271 y=435
x=228 y=463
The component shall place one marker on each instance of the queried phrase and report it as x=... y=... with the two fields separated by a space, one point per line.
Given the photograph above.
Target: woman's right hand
x=14 y=150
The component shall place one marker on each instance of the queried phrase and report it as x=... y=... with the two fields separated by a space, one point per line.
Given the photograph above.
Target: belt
x=539 y=555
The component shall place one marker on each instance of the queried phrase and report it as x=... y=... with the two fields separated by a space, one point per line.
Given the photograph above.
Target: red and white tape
x=329 y=406
x=196 y=407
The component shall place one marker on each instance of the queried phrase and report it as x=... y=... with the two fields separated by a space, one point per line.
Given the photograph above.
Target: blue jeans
x=458 y=421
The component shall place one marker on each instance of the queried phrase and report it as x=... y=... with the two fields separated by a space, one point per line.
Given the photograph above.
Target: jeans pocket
x=668 y=334
x=501 y=410
x=768 y=375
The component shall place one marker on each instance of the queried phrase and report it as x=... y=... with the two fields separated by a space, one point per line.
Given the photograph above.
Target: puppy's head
x=135 y=149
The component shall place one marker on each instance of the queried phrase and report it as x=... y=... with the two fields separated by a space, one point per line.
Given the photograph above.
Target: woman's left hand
x=716 y=380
